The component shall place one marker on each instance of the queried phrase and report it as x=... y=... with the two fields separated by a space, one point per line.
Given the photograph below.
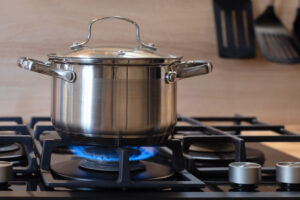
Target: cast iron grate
x=196 y=132
x=22 y=136
x=185 y=180
x=215 y=178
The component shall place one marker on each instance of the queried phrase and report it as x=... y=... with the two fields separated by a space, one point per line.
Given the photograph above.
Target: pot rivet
x=171 y=77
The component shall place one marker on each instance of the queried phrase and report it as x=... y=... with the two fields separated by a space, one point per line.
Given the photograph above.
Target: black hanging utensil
x=234 y=27
x=296 y=27
x=273 y=39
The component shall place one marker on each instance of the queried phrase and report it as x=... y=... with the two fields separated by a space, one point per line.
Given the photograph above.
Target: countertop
x=291 y=148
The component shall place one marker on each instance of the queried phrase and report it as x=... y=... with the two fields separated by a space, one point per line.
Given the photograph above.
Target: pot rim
x=113 y=56
x=114 y=61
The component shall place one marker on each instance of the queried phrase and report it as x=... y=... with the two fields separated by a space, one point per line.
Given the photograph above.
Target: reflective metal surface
x=244 y=173
x=6 y=171
x=115 y=102
x=187 y=69
x=115 y=96
x=150 y=46
x=117 y=105
x=44 y=68
x=143 y=53
x=114 y=56
x=288 y=172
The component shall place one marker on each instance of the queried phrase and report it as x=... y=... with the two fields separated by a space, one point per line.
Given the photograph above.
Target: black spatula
x=234 y=27
x=296 y=27
x=273 y=39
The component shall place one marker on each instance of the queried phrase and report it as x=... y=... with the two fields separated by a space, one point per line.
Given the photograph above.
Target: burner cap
x=13 y=153
x=109 y=166
x=8 y=147
x=224 y=158
x=219 y=147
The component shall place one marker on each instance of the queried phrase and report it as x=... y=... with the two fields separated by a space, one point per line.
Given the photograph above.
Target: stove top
x=205 y=158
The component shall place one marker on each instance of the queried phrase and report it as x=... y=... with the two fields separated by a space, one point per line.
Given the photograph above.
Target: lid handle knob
x=77 y=45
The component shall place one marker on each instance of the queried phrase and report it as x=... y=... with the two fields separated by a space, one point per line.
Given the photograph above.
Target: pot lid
x=81 y=53
x=86 y=52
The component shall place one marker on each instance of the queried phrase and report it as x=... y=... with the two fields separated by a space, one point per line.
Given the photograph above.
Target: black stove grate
x=197 y=132
x=214 y=178
x=21 y=136
x=186 y=181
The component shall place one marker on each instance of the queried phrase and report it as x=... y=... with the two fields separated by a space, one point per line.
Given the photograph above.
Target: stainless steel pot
x=115 y=96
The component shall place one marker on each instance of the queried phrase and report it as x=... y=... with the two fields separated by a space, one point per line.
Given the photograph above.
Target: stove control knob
x=288 y=172
x=6 y=171
x=244 y=173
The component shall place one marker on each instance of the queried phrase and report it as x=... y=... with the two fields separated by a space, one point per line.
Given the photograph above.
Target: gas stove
x=205 y=158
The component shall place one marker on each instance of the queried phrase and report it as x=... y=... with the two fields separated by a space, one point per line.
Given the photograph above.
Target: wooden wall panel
x=250 y=87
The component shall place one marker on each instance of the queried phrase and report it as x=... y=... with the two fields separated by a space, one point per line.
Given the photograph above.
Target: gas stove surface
x=205 y=158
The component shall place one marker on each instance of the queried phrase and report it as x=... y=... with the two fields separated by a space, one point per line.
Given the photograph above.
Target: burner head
x=245 y=173
x=110 y=166
x=218 y=147
x=8 y=147
x=208 y=155
x=288 y=172
x=12 y=152
x=107 y=159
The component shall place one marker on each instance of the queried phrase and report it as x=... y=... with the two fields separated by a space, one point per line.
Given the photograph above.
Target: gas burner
x=218 y=147
x=75 y=171
x=195 y=161
x=221 y=154
x=16 y=146
x=8 y=146
x=13 y=153
x=109 y=166
x=111 y=154
x=102 y=163
x=129 y=167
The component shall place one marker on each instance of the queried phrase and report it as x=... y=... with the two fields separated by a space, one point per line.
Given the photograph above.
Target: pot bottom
x=150 y=140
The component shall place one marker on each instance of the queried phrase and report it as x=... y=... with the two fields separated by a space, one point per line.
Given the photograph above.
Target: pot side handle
x=188 y=69
x=44 y=68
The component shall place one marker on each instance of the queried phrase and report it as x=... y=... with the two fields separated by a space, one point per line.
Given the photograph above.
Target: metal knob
x=247 y=173
x=6 y=171
x=288 y=172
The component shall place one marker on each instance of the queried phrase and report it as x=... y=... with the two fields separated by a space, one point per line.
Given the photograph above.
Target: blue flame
x=111 y=155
